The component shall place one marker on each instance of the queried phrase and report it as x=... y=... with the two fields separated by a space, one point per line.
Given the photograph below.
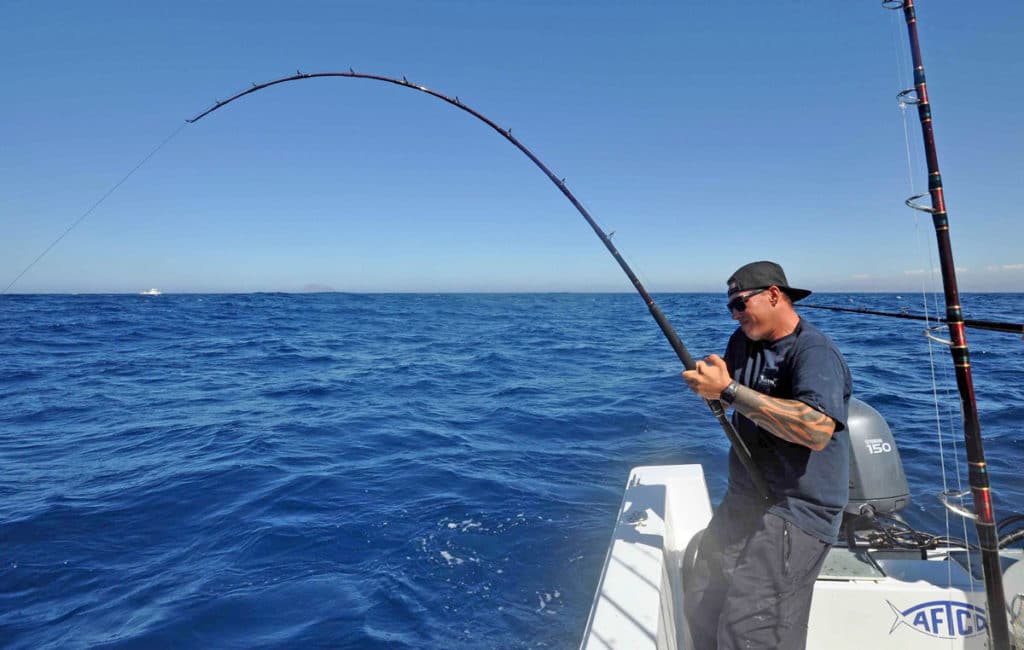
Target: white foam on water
x=544 y=599
x=451 y=559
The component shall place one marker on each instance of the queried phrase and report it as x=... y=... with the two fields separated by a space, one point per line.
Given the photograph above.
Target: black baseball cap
x=759 y=275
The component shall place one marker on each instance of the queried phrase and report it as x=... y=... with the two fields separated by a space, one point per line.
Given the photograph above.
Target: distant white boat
x=150 y=292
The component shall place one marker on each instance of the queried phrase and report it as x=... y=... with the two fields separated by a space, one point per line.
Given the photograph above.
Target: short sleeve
x=821 y=380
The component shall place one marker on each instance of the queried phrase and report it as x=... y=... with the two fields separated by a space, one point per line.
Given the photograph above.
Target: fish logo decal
x=943 y=619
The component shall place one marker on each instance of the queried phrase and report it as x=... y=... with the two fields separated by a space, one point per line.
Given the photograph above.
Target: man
x=789 y=388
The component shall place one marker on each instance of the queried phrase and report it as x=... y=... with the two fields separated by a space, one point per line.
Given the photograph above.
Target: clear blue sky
x=705 y=134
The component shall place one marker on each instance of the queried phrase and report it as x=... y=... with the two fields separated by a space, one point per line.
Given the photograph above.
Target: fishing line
x=925 y=251
x=901 y=54
x=902 y=60
x=930 y=289
x=669 y=332
x=93 y=207
x=930 y=284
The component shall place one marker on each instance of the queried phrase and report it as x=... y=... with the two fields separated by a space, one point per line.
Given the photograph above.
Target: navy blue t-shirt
x=809 y=488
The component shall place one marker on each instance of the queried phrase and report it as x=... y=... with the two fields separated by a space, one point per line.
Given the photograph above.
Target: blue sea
x=389 y=471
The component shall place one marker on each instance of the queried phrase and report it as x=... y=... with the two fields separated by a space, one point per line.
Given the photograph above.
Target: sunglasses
x=739 y=303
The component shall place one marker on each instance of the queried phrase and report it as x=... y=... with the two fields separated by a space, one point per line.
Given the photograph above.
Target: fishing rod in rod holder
x=669 y=332
x=993 y=326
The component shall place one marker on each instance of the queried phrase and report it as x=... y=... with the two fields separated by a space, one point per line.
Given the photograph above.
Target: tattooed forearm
x=788 y=419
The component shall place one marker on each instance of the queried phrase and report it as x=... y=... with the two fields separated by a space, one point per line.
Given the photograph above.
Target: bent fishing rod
x=659 y=316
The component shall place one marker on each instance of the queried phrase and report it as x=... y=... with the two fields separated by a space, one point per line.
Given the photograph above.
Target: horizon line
x=457 y=292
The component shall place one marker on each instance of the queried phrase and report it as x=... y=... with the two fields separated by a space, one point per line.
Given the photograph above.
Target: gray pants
x=752 y=582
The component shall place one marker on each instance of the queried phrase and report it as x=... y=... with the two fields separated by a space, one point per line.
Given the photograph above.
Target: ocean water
x=388 y=471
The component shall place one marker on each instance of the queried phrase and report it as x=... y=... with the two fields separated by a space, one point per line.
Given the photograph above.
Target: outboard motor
x=877 y=482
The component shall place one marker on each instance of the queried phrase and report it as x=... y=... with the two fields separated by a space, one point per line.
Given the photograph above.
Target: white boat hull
x=863 y=599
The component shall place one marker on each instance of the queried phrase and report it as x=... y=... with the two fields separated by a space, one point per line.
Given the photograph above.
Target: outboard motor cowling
x=877 y=481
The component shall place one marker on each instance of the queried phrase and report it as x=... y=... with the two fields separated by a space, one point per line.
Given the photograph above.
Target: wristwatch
x=728 y=394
